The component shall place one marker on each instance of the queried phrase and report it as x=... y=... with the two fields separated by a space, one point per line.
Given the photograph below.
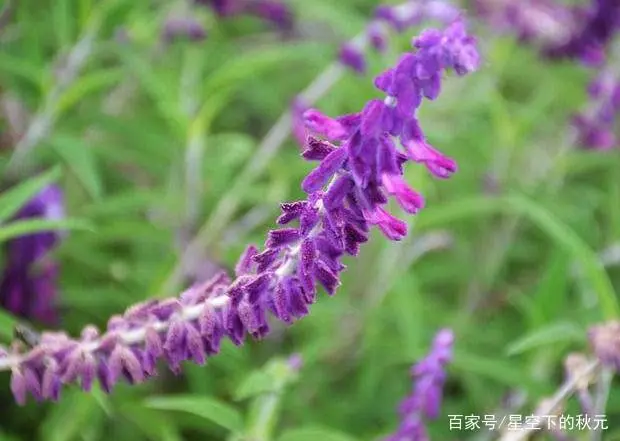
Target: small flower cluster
x=398 y=18
x=596 y=126
x=425 y=399
x=271 y=11
x=360 y=165
x=28 y=284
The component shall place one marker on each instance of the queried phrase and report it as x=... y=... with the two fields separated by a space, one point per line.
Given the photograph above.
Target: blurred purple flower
x=424 y=402
x=183 y=27
x=596 y=125
x=28 y=284
x=605 y=342
x=597 y=25
x=223 y=8
x=347 y=192
x=543 y=22
x=272 y=11
x=561 y=31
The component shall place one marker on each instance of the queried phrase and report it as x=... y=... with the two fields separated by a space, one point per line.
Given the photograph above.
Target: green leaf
x=220 y=85
x=209 y=408
x=29 y=226
x=132 y=201
x=542 y=218
x=62 y=17
x=256 y=383
x=155 y=87
x=71 y=416
x=565 y=236
x=16 y=197
x=80 y=158
x=21 y=67
x=151 y=423
x=501 y=371
x=562 y=332
x=87 y=85
x=314 y=433
x=7 y=324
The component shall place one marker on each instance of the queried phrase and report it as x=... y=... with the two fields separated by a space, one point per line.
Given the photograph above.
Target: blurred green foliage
x=149 y=137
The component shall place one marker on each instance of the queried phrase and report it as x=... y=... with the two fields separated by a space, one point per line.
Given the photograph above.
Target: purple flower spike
x=360 y=165
x=28 y=285
x=425 y=399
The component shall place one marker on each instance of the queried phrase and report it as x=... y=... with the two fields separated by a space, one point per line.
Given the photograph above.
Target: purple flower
x=576 y=32
x=28 y=284
x=273 y=11
x=605 y=343
x=352 y=57
x=597 y=26
x=223 y=8
x=269 y=10
x=183 y=27
x=297 y=109
x=424 y=402
x=346 y=194
x=596 y=125
x=545 y=22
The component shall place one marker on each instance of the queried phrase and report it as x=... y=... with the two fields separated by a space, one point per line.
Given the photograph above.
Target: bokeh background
x=158 y=145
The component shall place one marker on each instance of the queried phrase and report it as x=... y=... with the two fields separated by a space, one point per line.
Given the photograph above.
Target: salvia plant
x=133 y=181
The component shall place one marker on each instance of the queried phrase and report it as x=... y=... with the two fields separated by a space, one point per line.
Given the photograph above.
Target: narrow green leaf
x=7 y=324
x=501 y=371
x=156 y=88
x=151 y=423
x=589 y=260
x=209 y=408
x=563 y=332
x=542 y=218
x=87 y=85
x=80 y=158
x=553 y=287
x=132 y=201
x=16 y=197
x=22 y=68
x=256 y=383
x=30 y=226
x=71 y=416
x=247 y=66
x=314 y=433
x=62 y=16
